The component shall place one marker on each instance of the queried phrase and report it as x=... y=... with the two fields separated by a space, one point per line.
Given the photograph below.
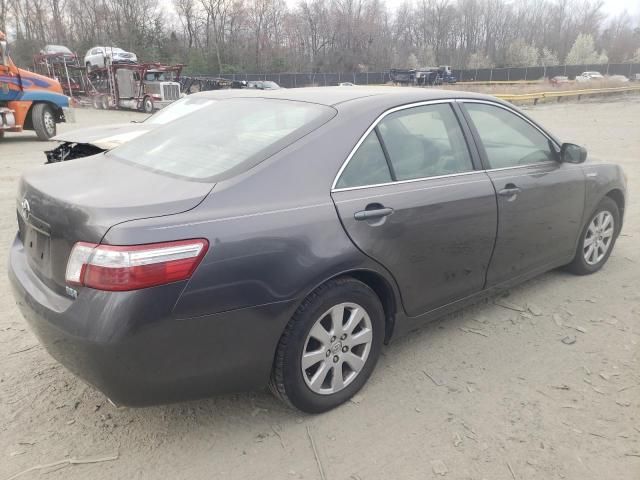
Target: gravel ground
x=485 y=393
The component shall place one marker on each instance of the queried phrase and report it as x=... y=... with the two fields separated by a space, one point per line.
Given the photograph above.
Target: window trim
x=374 y=126
x=473 y=147
x=478 y=141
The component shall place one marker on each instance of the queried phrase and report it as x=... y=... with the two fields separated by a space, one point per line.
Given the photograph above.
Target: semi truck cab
x=29 y=101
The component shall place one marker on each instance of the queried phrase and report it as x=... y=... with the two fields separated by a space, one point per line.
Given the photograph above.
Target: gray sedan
x=281 y=239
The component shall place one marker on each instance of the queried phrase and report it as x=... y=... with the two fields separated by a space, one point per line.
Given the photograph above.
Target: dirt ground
x=484 y=394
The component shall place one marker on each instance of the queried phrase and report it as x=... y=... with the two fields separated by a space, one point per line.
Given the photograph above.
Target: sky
x=618 y=6
x=611 y=7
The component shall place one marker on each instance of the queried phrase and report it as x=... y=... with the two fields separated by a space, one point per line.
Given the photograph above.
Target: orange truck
x=29 y=101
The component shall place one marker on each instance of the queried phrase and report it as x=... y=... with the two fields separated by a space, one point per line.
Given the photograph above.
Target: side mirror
x=572 y=153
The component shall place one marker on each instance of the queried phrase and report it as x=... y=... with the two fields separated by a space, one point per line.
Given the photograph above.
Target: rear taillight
x=131 y=267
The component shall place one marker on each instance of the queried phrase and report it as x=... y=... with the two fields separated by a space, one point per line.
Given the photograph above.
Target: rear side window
x=367 y=166
x=225 y=138
x=508 y=140
x=425 y=142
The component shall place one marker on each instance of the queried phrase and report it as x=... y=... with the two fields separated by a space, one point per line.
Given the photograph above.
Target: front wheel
x=44 y=121
x=329 y=347
x=147 y=105
x=597 y=240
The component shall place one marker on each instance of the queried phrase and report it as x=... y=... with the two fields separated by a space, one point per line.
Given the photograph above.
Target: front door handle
x=373 y=213
x=509 y=190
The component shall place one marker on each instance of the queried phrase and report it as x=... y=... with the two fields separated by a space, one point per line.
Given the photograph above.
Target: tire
x=147 y=105
x=296 y=387
x=44 y=121
x=584 y=263
x=89 y=68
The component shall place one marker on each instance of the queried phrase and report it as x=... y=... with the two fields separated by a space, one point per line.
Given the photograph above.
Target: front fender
x=600 y=180
x=39 y=96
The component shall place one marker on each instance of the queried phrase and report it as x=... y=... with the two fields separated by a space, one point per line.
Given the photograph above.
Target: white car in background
x=97 y=56
x=618 y=78
x=589 y=76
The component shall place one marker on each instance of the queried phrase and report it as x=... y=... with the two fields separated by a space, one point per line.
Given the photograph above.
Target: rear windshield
x=223 y=139
x=178 y=109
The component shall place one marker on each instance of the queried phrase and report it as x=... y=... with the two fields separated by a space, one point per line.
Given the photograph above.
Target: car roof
x=335 y=96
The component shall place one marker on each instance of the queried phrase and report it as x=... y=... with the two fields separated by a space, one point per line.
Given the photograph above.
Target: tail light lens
x=131 y=267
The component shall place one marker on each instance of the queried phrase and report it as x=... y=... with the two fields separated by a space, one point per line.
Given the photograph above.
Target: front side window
x=508 y=140
x=224 y=138
x=424 y=142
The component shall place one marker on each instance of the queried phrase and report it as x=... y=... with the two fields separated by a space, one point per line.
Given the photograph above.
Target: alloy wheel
x=598 y=237
x=336 y=348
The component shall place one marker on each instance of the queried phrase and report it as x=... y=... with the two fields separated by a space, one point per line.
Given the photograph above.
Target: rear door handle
x=509 y=190
x=373 y=213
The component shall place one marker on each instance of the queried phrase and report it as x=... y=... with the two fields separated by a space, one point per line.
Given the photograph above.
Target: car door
x=411 y=197
x=540 y=200
x=96 y=59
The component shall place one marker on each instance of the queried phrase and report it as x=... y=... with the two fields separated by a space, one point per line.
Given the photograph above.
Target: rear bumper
x=130 y=346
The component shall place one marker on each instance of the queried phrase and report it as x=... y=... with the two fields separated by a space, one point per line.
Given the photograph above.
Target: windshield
x=178 y=109
x=224 y=138
x=155 y=76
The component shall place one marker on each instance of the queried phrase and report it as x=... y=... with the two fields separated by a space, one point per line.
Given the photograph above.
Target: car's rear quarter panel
x=274 y=232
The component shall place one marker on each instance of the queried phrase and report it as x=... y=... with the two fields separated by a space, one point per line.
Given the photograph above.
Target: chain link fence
x=293 y=80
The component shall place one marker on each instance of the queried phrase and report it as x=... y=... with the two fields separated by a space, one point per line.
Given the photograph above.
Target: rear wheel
x=329 y=347
x=44 y=121
x=598 y=239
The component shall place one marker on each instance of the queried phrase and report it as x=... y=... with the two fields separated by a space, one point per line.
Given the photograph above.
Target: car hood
x=106 y=137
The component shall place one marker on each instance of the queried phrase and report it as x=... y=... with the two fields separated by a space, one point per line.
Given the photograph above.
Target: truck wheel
x=147 y=105
x=44 y=121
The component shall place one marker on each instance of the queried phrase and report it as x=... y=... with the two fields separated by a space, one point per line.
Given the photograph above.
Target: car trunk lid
x=61 y=204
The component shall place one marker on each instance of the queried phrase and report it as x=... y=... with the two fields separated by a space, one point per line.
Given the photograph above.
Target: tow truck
x=29 y=101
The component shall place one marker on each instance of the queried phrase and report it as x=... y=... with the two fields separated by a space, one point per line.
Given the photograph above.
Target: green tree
x=477 y=60
x=548 y=58
x=584 y=52
x=521 y=54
